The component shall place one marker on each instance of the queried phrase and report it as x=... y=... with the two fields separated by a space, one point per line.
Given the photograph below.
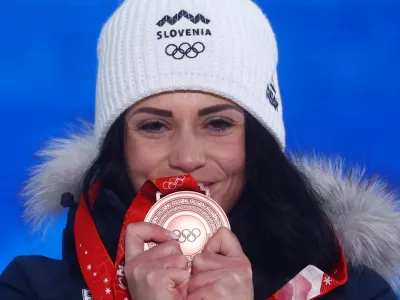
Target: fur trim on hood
x=65 y=162
x=364 y=213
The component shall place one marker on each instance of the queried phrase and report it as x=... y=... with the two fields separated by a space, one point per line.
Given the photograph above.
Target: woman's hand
x=221 y=271
x=158 y=273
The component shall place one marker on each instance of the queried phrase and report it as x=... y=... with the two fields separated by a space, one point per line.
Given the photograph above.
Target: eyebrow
x=153 y=111
x=202 y=112
x=216 y=108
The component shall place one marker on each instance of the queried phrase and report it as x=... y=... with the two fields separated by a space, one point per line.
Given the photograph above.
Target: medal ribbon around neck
x=106 y=280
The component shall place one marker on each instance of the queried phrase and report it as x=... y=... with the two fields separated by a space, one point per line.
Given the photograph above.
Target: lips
x=207 y=184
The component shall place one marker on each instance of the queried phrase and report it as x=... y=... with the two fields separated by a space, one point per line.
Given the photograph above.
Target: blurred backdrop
x=339 y=72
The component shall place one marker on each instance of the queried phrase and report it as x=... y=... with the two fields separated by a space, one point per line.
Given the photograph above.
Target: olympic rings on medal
x=187 y=235
x=185 y=49
x=173 y=183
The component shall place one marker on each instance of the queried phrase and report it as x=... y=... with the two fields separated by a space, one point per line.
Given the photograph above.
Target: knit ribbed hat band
x=224 y=47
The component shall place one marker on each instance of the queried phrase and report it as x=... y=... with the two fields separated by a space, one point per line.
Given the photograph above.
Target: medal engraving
x=194 y=217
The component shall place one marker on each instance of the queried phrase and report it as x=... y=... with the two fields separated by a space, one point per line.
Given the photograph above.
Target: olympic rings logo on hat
x=185 y=49
x=173 y=183
x=188 y=235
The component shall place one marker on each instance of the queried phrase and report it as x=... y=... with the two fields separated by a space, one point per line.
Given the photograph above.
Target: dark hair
x=109 y=167
x=278 y=219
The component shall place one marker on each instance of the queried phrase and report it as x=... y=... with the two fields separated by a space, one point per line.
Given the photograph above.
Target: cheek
x=231 y=155
x=230 y=158
x=232 y=161
x=143 y=157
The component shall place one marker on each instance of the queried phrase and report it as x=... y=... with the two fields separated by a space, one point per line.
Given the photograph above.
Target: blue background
x=339 y=72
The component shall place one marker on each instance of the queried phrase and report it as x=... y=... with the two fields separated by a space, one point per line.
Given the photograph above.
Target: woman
x=190 y=88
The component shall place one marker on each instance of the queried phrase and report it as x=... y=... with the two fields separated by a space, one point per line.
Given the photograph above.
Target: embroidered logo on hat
x=182 y=14
x=182 y=32
x=271 y=95
x=185 y=49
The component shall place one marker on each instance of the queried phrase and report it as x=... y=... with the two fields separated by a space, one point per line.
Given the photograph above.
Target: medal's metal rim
x=187 y=194
x=193 y=195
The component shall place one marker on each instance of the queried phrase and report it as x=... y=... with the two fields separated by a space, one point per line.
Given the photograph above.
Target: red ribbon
x=106 y=280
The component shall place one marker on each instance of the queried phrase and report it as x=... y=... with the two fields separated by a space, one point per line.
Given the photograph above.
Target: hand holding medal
x=160 y=273
x=191 y=223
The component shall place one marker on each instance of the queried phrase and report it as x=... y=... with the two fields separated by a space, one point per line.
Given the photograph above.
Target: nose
x=187 y=154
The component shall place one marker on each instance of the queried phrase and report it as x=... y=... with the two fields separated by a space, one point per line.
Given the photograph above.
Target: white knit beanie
x=224 y=47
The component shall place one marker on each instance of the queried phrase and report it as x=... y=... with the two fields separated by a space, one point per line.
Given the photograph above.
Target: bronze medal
x=193 y=216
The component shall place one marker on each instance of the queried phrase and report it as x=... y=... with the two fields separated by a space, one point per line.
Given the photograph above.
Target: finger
x=173 y=261
x=178 y=276
x=161 y=250
x=224 y=242
x=139 y=233
x=168 y=262
x=205 y=262
x=174 y=280
x=215 y=285
x=209 y=292
x=202 y=279
x=168 y=277
x=229 y=278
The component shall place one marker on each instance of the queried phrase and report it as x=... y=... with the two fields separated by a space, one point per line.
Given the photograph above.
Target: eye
x=152 y=127
x=219 y=125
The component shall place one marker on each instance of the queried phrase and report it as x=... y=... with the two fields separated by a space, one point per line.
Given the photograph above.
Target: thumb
x=137 y=234
x=224 y=242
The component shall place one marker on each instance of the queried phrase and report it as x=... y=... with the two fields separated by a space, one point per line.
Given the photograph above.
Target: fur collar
x=363 y=211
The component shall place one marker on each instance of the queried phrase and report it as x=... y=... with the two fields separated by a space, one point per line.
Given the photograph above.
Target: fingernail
x=173 y=235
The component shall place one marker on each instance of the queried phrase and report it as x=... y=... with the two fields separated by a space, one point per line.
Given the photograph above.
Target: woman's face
x=188 y=132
